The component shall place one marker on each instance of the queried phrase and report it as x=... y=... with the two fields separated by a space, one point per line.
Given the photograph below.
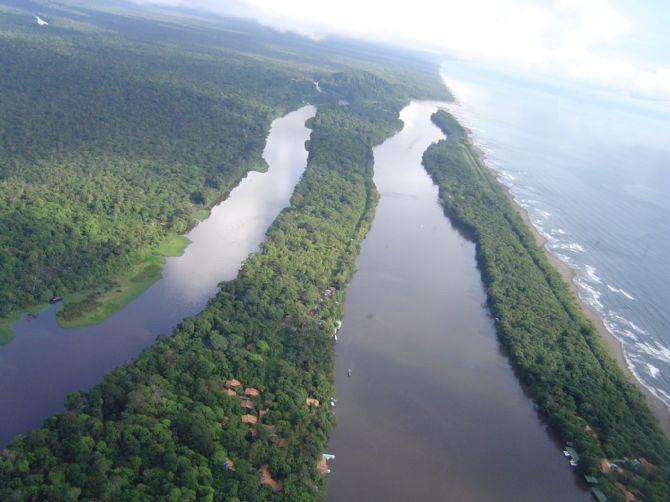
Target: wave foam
x=653 y=370
x=570 y=246
x=591 y=274
x=590 y=295
x=620 y=291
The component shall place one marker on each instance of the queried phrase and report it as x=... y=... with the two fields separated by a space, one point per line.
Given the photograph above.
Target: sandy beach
x=657 y=407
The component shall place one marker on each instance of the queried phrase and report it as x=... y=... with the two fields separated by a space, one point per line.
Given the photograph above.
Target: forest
x=166 y=427
x=556 y=351
x=116 y=130
x=224 y=407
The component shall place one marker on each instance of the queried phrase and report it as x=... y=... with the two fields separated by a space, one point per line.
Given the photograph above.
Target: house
x=322 y=466
x=233 y=383
x=312 y=402
x=266 y=478
x=230 y=392
x=252 y=392
x=229 y=464
x=248 y=419
x=246 y=404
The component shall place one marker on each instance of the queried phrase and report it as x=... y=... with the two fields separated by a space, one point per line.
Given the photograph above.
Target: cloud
x=563 y=38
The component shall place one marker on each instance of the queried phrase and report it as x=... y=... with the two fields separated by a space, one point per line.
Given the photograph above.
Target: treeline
x=556 y=351
x=172 y=425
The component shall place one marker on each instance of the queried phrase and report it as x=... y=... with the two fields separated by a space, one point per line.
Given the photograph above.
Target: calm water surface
x=44 y=362
x=432 y=410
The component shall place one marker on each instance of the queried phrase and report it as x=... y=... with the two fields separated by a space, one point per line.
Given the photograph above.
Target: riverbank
x=658 y=408
x=91 y=307
x=6 y=322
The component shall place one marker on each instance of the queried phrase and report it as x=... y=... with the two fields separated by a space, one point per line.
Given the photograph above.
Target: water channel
x=44 y=362
x=432 y=409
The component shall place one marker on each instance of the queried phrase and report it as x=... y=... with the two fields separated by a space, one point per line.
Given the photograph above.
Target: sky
x=617 y=45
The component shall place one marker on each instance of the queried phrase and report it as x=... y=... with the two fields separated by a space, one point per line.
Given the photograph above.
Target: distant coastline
x=658 y=407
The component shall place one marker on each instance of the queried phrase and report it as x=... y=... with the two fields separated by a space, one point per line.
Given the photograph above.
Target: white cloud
x=564 y=38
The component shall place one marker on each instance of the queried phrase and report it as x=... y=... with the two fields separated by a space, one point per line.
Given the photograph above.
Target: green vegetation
x=6 y=323
x=109 y=146
x=117 y=131
x=93 y=306
x=556 y=351
x=174 y=245
x=201 y=214
x=164 y=426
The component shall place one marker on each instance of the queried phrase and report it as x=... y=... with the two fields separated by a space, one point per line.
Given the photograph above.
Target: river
x=432 y=409
x=45 y=362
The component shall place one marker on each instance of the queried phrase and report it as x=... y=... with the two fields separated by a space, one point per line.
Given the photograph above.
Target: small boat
x=349 y=372
x=55 y=299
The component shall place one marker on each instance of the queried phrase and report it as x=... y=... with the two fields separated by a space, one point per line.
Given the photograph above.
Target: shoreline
x=657 y=407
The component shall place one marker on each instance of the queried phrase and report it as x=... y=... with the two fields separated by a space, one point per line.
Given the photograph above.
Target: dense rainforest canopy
x=137 y=133
x=115 y=129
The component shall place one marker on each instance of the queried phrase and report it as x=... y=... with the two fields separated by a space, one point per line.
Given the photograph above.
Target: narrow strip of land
x=555 y=349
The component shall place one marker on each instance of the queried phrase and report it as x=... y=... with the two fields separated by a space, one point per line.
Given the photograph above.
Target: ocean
x=593 y=173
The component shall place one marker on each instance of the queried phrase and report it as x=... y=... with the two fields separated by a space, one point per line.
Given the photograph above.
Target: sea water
x=593 y=173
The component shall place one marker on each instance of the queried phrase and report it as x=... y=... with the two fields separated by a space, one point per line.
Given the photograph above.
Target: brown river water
x=432 y=409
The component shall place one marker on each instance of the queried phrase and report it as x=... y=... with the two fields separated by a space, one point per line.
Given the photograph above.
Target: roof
x=322 y=465
x=246 y=404
x=251 y=391
x=249 y=419
x=230 y=392
x=266 y=478
x=312 y=402
x=605 y=465
x=233 y=382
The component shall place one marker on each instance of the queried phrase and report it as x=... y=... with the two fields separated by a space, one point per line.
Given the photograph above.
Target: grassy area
x=94 y=306
x=202 y=214
x=175 y=245
x=6 y=322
